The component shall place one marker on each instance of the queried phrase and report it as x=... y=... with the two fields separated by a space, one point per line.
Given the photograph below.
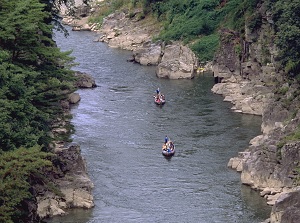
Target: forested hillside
x=34 y=77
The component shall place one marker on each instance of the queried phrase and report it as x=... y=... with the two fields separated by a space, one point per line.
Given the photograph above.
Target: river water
x=121 y=132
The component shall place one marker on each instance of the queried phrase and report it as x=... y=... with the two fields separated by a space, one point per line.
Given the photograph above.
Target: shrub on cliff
x=197 y=22
x=287 y=21
x=18 y=170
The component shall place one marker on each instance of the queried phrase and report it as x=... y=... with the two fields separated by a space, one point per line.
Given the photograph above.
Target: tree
x=17 y=169
x=35 y=75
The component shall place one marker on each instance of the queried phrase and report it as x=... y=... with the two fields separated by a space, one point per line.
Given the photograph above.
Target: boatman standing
x=166 y=139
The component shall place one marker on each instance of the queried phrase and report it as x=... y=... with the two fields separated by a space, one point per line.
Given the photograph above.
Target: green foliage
x=287 y=21
x=117 y=4
x=17 y=169
x=104 y=10
x=35 y=75
x=238 y=49
x=197 y=22
x=296 y=172
x=236 y=12
x=21 y=29
x=187 y=19
x=254 y=21
x=282 y=90
x=205 y=47
x=295 y=136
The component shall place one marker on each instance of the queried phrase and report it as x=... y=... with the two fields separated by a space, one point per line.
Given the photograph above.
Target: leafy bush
x=205 y=47
x=287 y=21
x=17 y=169
x=34 y=77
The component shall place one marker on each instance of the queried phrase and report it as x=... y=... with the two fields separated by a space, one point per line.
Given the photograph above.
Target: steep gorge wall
x=247 y=75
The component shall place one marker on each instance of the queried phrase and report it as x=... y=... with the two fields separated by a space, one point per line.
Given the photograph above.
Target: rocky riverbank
x=253 y=86
x=173 y=61
x=71 y=185
x=257 y=87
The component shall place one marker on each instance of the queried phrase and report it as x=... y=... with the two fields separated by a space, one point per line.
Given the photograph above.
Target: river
x=121 y=132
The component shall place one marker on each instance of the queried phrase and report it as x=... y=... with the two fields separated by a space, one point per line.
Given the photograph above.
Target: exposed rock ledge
x=174 y=61
x=73 y=182
x=270 y=163
x=70 y=177
x=246 y=96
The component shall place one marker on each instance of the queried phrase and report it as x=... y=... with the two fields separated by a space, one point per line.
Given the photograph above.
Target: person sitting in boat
x=164 y=147
x=157 y=99
x=171 y=145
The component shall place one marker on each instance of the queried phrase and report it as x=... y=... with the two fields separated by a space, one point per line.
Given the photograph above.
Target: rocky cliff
x=246 y=73
x=68 y=184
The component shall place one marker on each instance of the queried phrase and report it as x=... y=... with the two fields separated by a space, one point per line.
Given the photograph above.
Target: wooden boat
x=168 y=149
x=159 y=99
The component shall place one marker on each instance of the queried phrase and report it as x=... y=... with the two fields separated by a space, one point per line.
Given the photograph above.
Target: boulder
x=148 y=55
x=74 y=98
x=84 y=80
x=73 y=183
x=178 y=62
x=287 y=208
x=119 y=30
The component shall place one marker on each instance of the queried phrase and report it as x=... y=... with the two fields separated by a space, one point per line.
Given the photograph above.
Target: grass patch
x=205 y=47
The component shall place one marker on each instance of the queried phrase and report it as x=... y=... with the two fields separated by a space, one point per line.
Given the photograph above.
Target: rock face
x=246 y=96
x=247 y=77
x=287 y=208
x=174 y=61
x=84 y=80
x=73 y=182
x=178 y=62
x=149 y=54
x=119 y=30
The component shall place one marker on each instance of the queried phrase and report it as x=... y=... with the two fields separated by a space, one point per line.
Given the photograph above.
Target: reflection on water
x=253 y=201
x=82 y=215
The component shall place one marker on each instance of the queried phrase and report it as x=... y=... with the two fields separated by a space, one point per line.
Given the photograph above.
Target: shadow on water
x=168 y=158
x=253 y=202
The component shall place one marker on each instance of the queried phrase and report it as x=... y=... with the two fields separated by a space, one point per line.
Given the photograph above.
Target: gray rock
x=73 y=182
x=74 y=98
x=287 y=208
x=84 y=80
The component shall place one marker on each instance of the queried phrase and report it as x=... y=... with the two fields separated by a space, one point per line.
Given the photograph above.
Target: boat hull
x=166 y=153
x=160 y=102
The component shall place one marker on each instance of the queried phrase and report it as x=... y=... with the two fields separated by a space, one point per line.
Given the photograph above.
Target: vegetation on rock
x=198 y=22
x=19 y=169
x=34 y=77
